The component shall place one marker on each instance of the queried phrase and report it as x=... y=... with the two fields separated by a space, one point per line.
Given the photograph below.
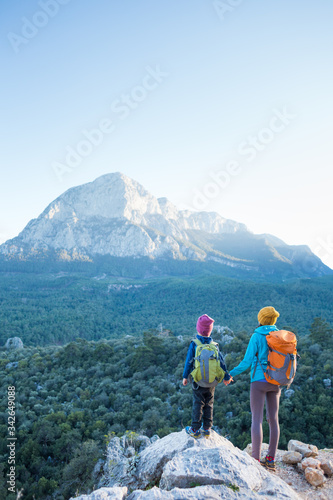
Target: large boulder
x=292 y=457
x=116 y=464
x=14 y=343
x=105 y=494
x=314 y=476
x=210 y=466
x=327 y=466
x=154 y=458
x=122 y=456
x=306 y=450
x=179 y=466
x=310 y=462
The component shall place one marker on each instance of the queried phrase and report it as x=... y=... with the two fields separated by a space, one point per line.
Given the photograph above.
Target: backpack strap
x=255 y=368
x=197 y=343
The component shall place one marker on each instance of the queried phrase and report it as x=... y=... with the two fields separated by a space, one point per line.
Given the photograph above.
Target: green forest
x=95 y=365
x=46 y=309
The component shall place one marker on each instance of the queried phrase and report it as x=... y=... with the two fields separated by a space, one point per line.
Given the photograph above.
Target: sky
x=219 y=106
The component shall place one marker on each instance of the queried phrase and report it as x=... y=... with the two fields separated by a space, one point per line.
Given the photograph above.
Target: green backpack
x=207 y=369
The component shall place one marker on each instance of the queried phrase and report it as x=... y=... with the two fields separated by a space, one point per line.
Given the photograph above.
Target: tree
x=77 y=474
x=321 y=332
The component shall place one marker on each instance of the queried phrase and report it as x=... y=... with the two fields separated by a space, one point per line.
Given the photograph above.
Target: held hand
x=184 y=381
x=227 y=382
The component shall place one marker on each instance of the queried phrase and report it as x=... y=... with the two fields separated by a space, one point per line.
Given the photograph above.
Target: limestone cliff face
x=116 y=216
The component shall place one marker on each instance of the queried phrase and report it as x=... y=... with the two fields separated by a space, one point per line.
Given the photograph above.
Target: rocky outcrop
x=116 y=493
x=327 y=383
x=106 y=494
x=14 y=343
x=178 y=466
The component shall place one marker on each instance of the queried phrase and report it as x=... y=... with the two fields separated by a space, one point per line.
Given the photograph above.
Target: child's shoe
x=269 y=463
x=193 y=433
x=205 y=432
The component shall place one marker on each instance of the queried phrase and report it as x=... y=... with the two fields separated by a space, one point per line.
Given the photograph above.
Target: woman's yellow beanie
x=268 y=316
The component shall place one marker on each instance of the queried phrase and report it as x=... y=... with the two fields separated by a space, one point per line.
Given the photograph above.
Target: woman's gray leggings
x=258 y=393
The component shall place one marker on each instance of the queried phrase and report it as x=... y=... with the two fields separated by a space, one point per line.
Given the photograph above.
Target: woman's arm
x=249 y=356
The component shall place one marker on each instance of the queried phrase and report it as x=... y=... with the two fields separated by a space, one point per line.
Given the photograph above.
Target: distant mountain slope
x=115 y=216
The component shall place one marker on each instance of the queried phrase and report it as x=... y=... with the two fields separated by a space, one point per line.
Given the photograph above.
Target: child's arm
x=189 y=362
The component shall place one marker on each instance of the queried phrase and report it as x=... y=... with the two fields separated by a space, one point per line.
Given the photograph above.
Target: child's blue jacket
x=257 y=345
x=189 y=363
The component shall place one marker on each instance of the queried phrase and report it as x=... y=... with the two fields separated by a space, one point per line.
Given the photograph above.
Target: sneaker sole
x=193 y=436
x=271 y=469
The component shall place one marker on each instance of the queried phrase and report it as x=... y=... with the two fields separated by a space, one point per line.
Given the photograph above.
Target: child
x=203 y=397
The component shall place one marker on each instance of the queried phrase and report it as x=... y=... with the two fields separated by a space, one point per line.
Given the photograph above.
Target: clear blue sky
x=184 y=95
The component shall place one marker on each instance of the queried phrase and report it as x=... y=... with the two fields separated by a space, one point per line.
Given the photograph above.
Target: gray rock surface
x=306 y=450
x=198 y=493
x=310 y=462
x=153 y=459
x=117 y=464
x=105 y=494
x=14 y=343
x=210 y=466
x=292 y=457
x=327 y=466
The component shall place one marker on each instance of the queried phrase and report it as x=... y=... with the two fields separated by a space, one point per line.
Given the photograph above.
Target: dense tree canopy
x=47 y=309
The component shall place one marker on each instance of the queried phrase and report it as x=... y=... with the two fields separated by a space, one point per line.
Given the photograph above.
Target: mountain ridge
x=116 y=216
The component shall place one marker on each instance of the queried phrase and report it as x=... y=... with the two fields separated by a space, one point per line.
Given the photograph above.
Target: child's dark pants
x=203 y=401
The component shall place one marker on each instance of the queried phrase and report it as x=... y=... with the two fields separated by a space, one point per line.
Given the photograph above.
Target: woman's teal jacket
x=257 y=345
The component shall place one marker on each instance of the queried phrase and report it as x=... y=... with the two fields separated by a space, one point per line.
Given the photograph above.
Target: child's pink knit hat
x=205 y=325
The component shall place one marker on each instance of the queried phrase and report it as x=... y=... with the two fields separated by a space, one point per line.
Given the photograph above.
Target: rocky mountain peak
x=110 y=196
x=179 y=466
x=116 y=216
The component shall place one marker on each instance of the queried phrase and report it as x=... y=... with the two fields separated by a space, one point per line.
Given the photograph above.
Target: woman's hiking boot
x=269 y=463
x=192 y=432
x=205 y=432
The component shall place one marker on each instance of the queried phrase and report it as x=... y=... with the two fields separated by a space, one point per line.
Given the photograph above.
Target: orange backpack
x=281 y=361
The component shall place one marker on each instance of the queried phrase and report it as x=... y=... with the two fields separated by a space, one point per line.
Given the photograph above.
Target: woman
x=262 y=390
